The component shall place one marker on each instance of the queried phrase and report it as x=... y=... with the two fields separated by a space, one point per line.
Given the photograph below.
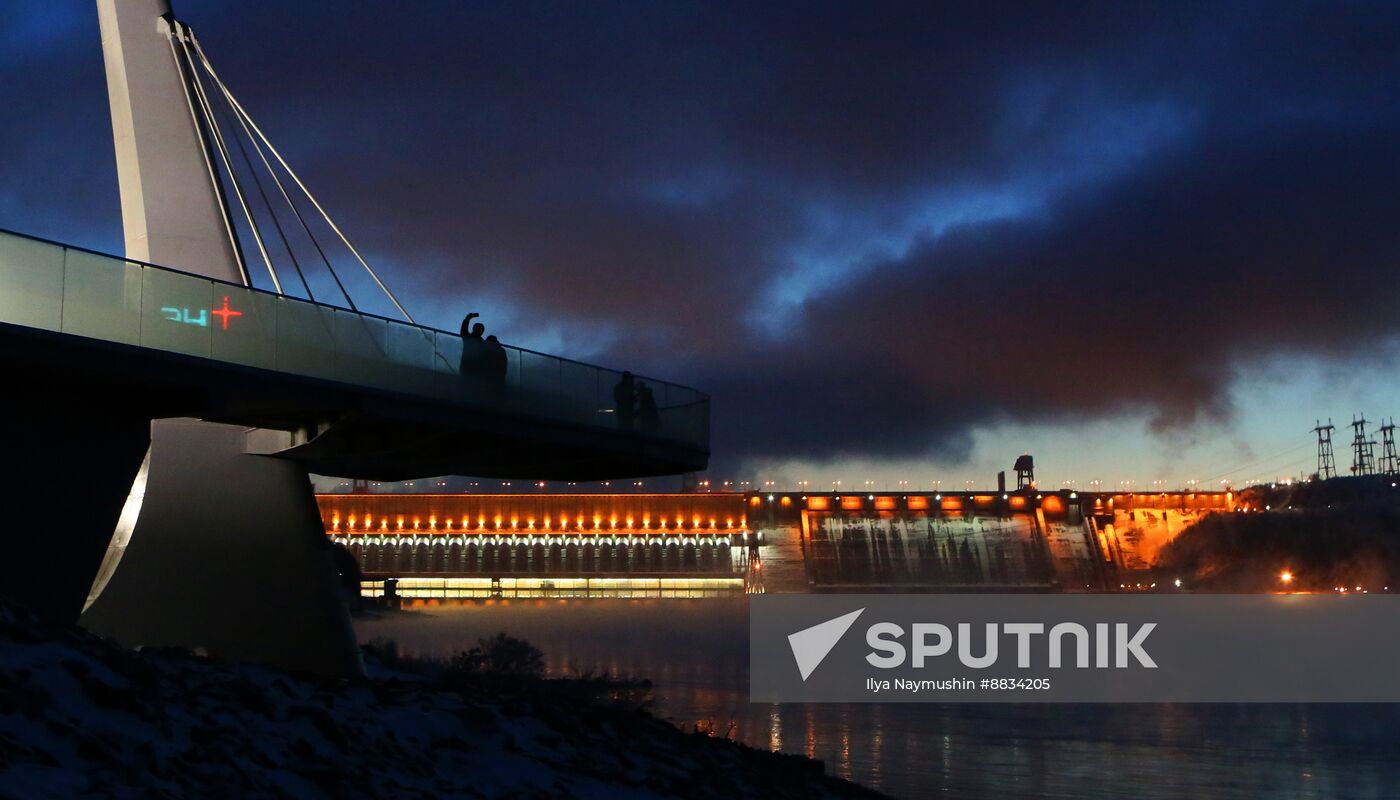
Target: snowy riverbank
x=80 y=716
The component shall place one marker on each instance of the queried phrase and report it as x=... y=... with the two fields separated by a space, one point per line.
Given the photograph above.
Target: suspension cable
x=267 y=202
x=288 y=198
x=271 y=148
x=208 y=157
x=228 y=162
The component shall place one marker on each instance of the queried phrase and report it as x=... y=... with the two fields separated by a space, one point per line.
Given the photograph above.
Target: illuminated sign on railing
x=184 y=317
x=225 y=312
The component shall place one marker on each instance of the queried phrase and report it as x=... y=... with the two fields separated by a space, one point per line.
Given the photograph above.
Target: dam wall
x=484 y=545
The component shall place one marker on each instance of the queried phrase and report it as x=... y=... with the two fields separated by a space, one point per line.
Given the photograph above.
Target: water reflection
x=696 y=652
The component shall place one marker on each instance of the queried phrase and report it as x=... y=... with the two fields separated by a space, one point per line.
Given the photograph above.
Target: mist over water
x=696 y=653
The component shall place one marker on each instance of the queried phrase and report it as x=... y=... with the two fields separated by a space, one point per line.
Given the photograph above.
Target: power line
x=1258 y=461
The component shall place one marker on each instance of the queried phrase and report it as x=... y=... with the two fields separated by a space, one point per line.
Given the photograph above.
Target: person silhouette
x=473 y=347
x=494 y=361
x=647 y=413
x=625 y=401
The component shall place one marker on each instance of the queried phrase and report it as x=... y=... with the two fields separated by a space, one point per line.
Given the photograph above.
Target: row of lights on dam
x=968 y=485
x=707 y=485
x=529 y=524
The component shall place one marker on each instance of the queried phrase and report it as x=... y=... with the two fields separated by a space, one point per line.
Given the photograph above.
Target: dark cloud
x=863 y=229
x=1145 y=295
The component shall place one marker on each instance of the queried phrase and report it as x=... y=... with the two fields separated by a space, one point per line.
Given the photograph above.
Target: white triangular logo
x=810 y=645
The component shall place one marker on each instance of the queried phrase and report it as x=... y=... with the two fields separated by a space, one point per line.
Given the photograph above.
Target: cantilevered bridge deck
x=366 y=396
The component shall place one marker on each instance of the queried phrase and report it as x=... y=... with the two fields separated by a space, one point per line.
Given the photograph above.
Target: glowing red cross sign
x=224 y=313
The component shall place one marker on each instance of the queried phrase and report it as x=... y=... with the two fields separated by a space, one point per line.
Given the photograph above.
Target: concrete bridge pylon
x=222 y=550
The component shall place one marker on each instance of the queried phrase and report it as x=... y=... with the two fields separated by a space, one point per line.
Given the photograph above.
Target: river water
x=696 y=653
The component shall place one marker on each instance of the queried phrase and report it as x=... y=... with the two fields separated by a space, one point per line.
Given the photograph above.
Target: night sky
x=1143 y=241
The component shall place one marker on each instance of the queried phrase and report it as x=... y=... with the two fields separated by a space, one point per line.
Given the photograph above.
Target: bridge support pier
x=65 y=475
x=229 y=555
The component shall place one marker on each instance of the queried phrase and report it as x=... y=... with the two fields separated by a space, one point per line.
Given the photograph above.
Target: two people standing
x=635 y=405
x=484 y=356
x=481 y=357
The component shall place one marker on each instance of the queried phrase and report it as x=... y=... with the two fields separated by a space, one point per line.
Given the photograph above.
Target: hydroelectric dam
x=441 y=547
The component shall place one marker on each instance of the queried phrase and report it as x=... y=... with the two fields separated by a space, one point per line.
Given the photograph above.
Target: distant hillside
x=1335 y=534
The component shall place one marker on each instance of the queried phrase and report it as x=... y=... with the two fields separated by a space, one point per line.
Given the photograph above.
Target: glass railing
x=56 y=287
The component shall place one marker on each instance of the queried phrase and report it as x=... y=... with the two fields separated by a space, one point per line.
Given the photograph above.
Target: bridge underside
x=379 y=445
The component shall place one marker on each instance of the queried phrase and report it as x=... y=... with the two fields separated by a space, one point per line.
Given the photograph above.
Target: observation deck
x=363 y=396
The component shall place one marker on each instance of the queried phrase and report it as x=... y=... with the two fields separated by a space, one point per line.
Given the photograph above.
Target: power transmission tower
x=1363 y=450
x=1326 y=463
x=1390 y=462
